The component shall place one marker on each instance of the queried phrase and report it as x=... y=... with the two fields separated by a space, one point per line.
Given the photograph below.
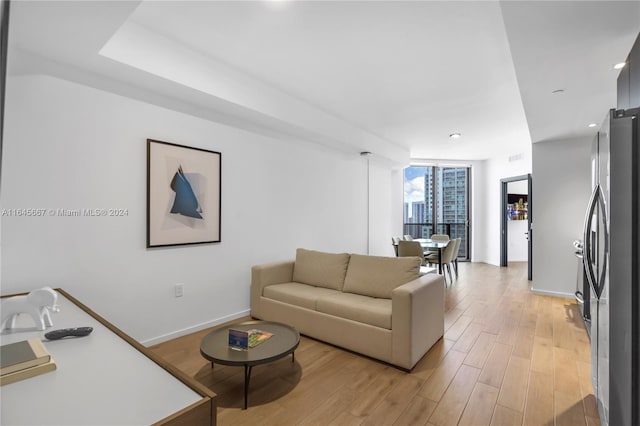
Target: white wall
x=397 y=205
x=494 y=170
x=478 y=209
x=69 y=146
x=561 y=190
x=383 y=179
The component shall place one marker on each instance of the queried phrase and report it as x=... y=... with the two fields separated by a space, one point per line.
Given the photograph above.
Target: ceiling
x=392 y=77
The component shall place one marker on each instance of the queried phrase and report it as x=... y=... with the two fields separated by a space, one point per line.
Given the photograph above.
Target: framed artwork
x=183 y=194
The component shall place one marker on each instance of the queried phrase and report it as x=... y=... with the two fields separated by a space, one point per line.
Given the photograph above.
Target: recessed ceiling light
x=592 y=125
x=455 y=135
x=277 y=3
x=619 y=65
x=558 y=91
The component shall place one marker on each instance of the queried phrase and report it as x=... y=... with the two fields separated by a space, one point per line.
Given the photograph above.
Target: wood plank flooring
x=508 y=357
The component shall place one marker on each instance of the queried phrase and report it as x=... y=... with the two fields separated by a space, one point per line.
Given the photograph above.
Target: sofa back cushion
x=377 y=276
x=320 y=269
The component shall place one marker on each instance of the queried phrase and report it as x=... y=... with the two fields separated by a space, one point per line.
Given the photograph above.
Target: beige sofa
x=377 y=306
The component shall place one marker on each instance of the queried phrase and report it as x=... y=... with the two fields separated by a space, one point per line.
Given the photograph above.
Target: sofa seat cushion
x=368 y=310
x=297 y=294
x=320 y=269
x=377 y=276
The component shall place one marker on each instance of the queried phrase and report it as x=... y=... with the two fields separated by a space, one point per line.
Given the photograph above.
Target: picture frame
x=184 y=187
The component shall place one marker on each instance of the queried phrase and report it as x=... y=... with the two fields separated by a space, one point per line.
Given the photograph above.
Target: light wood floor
x=508 y=357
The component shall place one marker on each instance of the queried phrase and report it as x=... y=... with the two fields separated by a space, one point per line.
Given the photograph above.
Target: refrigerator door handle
x=587 y=252
x=605 y=237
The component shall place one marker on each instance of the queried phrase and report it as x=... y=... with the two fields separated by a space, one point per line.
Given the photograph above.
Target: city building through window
x=436 y=201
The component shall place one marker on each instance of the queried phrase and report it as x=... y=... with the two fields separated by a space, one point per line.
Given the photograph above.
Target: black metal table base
x=247 y=378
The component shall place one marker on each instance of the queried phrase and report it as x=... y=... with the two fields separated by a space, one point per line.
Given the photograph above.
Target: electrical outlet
x=179 y=288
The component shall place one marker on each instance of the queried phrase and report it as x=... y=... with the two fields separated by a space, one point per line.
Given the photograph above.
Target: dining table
x=428 y=244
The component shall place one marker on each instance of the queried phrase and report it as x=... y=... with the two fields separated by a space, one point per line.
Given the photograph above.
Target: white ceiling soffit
x=571 y=46
x=388 y=77
x=44 y=39
x=68 y=31
x=408 y=72
x=151 y=52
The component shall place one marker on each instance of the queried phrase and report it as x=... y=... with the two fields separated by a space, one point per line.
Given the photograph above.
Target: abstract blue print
x=185 y=203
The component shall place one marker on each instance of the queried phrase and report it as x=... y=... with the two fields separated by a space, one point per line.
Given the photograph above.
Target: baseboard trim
x=193 y=329
x=553 y=293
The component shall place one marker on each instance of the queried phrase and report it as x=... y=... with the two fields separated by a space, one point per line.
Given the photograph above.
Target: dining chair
x=394 y=242
x=437 y=237
x=408 y=238
x=432 y=254
x=411 y=249
x=447 y=258
x=414 y=249
x=456 y=251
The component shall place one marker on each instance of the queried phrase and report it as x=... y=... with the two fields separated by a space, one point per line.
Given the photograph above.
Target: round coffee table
x=215 y=347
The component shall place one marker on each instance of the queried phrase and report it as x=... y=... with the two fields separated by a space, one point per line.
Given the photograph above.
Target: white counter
x=100 y=379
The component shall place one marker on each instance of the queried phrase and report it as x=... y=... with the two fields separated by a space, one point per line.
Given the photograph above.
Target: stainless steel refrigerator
x=611 y=258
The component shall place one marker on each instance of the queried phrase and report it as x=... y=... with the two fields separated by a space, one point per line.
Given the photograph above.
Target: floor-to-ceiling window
x=437 y=201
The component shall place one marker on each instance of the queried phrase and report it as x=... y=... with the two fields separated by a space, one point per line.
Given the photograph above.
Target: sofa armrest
x=417 y=318
x=264 y=275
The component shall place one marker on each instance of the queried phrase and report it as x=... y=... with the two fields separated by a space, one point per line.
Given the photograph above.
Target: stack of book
x=240 y=339
x=24 y=359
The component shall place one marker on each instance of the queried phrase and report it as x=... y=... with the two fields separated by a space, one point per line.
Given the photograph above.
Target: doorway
x=517 y=207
